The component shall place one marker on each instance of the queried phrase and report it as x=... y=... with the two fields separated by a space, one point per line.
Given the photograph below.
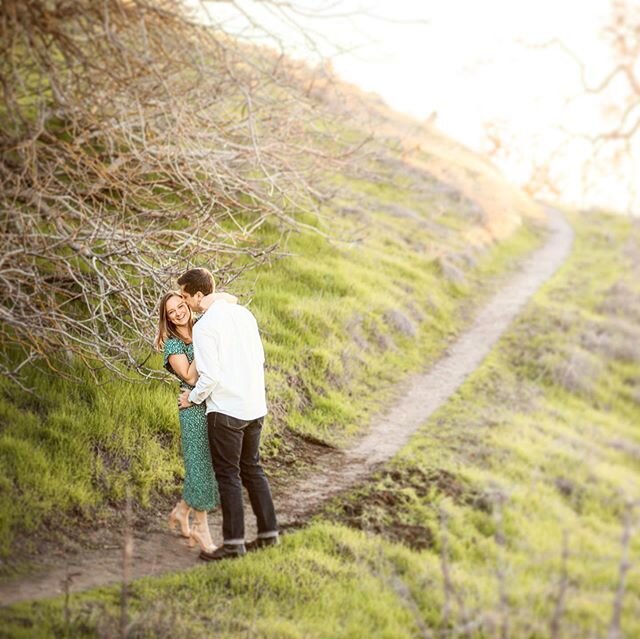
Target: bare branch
x=135 y=143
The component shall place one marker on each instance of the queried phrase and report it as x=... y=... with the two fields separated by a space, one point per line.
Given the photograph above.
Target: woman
x=200 y=491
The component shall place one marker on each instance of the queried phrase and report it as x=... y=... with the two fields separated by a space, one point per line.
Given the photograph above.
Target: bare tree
x=614 y=145
x=610 y=147
x=135 y=142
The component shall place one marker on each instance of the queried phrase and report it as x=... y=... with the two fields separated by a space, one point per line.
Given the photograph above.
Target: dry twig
x=135 y=143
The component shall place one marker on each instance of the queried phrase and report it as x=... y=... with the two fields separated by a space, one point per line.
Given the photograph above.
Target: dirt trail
x=158 y=552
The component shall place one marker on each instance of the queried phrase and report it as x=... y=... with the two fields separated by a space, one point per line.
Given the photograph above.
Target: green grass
x=540 y=440
x=341 y=321
x=70 y=446
x=326 y=581
x=520 y=456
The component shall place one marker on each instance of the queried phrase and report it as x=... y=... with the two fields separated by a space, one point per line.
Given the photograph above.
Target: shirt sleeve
x=172 y=347
x=259 y=346
x=205 y=348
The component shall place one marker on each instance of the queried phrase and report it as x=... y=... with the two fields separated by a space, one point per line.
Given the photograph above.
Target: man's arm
x=205 y=348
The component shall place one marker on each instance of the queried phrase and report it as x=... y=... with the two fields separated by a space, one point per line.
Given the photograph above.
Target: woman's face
x=177 y=311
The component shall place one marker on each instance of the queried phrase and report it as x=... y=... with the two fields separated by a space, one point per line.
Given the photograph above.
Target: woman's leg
x=200 y=531
x=200 y=490
x=179 y=517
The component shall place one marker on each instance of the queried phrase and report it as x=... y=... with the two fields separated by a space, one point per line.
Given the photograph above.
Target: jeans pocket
x=232 y=423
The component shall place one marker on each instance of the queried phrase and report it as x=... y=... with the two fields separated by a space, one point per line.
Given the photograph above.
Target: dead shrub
x=575 y=369
x=628 y=447
x=450 y=271
x=416 y=313
x=622 y=301
x=571 y=491
x=356 y=333
x=399 y=322
x=378 y=335
x=615 y=338
x=403 y=212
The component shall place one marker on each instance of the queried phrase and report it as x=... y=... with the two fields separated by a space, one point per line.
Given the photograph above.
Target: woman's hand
x=183 y=400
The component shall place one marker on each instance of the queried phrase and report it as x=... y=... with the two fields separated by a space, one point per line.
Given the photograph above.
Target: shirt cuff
x=193 y=398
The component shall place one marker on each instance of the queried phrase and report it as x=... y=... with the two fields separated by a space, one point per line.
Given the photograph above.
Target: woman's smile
x=177 y=311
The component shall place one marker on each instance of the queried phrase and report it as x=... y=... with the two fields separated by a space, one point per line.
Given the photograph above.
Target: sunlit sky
x=470 y=63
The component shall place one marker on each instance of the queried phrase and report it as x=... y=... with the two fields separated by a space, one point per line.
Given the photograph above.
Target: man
x=230 y=362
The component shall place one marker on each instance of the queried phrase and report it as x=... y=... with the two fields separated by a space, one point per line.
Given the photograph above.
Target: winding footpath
x=159 y=552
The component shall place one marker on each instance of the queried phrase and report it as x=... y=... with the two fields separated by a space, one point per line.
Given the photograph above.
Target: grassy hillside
x=463 y=532
x=200 y=150
x=340 y=319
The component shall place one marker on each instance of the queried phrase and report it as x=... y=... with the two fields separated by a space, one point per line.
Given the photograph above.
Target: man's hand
x=183 y=400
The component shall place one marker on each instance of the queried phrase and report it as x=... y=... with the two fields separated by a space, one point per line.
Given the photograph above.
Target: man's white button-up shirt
x=230 y=362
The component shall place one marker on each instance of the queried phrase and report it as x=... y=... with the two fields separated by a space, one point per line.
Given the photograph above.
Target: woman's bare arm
x=192 y=373
x=183 y=369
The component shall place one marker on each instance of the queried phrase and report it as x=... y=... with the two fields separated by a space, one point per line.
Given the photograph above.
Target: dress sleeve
x=172 y=346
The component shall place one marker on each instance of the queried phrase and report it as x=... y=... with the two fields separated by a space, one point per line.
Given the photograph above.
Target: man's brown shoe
x=261 y=542
x=227 y=551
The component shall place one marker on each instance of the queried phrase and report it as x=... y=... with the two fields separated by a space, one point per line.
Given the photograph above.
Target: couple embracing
x=219 y=360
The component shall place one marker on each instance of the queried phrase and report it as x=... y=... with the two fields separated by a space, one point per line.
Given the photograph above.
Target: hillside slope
x=337 y=318
x=370 y=283
x=511 y=512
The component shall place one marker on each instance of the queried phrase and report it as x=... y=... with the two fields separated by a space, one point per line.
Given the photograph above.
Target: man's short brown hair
x=197 y=279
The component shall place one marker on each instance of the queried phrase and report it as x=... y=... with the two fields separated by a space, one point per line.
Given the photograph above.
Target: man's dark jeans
x=235 y=454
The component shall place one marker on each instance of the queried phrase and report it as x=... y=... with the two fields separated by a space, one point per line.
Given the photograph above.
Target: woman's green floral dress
x=200 y=489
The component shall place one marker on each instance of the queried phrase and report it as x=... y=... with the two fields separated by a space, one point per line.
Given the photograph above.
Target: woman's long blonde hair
x=166 y=328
